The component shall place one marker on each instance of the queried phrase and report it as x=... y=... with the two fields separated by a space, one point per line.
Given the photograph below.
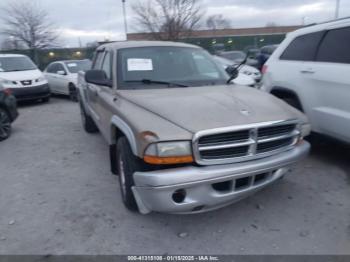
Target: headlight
x=40 y=79
x=305 y=130
x=247 y=73
x=7 y=82
x=166 y=153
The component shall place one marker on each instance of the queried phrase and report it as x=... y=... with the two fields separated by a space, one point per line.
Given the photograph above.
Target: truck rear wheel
x=88 y=123
x=127 y=165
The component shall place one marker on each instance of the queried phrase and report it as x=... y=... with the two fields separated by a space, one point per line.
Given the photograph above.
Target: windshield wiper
x=149 y=81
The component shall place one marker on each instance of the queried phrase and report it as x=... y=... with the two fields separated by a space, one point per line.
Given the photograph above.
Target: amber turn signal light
x=154 y=160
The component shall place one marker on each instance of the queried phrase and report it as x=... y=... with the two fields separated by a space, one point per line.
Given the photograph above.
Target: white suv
x=309 y=70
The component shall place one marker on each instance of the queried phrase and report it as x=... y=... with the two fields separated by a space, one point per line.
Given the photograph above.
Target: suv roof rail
x=329 y=21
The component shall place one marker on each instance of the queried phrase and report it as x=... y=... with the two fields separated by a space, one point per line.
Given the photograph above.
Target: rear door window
x=303 y=48
x=335 y=46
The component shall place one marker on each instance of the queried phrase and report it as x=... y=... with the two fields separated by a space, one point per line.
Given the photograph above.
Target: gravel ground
x=57 y=196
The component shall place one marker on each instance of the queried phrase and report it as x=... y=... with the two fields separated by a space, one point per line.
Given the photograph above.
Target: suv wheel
x=88 y=123
x=73 y=93
x=127 y=165
x=5 y=125
x=294 y=102
x=46 y=99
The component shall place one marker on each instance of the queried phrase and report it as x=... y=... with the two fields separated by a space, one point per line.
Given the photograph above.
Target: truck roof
x=131 y=44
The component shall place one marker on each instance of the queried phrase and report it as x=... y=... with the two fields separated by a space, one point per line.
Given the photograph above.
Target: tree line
x=28 y=25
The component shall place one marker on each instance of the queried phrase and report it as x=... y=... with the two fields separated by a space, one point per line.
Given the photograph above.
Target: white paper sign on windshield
x=138 y=64
x=72 y=65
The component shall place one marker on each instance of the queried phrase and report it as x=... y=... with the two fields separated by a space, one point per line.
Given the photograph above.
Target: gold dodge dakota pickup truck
x=184 y=139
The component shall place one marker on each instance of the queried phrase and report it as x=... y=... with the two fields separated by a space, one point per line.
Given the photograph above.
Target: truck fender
x=126 y=130
x=122 y=129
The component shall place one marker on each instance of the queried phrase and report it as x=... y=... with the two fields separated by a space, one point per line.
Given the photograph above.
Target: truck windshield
x=20 y=63
x=149 y=67
x=79 y=65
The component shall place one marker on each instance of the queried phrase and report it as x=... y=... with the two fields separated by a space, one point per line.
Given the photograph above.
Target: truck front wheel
x=127 y=165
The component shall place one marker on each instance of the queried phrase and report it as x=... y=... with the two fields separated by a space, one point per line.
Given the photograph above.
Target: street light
x=125 y=22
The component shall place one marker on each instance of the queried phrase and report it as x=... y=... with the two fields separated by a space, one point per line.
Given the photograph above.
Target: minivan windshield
x=19 y=63
x=78 y=65
x=164 y=67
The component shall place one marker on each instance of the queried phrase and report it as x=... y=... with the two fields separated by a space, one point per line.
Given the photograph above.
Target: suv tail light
x=264 y=69
x=7 y=91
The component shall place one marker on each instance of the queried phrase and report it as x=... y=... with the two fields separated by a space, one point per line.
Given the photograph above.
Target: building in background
x=231 y=39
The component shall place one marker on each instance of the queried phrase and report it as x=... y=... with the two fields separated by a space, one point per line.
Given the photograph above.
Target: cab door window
x=106 y=65
x=98 y=60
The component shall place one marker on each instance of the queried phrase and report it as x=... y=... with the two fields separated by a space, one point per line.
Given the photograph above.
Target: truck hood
x=201 y=108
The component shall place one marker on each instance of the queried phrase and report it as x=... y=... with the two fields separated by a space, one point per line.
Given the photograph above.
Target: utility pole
x=337 y=9
x=125 y=21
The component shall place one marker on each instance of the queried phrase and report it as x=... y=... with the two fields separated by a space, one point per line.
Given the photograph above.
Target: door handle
x=307 y=71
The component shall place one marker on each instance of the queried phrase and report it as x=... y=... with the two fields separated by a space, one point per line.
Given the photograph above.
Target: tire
x=88 y=123
x=127 y=165
x=46 y=99
x=73 y=95
x=5 y=125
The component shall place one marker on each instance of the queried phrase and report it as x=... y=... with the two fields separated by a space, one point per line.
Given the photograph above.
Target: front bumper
x=205 y=188
x=31 y=93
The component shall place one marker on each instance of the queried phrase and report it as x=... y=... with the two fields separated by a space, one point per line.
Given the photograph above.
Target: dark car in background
x=265 y=53
x=8 y=112
x=239 y=56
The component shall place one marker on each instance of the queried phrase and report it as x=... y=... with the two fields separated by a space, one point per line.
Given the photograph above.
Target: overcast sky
x=92 y=20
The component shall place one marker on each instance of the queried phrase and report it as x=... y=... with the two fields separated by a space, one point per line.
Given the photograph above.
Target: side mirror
x=232 y=71
x=97 y=77
x=61 y=72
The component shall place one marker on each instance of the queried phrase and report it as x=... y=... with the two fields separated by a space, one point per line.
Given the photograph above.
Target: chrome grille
x=229 y=145
x=224 y=138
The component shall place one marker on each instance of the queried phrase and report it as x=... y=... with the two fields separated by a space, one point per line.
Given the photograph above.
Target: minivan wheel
x=88 y=123
x=5 y=125
x=73 y=95
x=127 y=165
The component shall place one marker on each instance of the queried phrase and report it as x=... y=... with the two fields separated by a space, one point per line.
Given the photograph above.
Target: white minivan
x=26 y=82
x=309 y=70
